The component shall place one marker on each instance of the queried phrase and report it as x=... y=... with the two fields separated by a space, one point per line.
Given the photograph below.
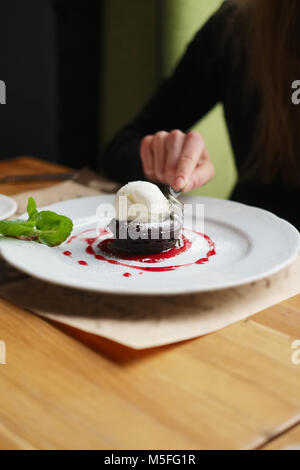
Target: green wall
x=131 y=64
x=143 y=40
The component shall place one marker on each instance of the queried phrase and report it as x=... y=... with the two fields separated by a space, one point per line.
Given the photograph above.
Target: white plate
x=250 y=245
x=8 y=206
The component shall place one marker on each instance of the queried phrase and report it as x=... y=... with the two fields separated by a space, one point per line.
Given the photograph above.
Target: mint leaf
x=17 y=229
x=45 y=227
x=53 y=229
x=31 y=208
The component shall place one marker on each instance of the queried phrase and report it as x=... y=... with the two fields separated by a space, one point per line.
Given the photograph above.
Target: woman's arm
x=182 y=99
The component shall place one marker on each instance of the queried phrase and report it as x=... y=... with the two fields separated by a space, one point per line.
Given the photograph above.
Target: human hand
x=177 y=159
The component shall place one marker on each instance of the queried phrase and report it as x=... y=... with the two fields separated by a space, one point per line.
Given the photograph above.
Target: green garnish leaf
x=17 y=229
x=31 y=208
x=45 y=227
x=53 y=229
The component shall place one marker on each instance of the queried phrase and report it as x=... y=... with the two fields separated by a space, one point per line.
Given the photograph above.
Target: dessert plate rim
x=11 y=207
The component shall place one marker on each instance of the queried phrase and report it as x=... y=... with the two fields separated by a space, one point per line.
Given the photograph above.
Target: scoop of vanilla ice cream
x=141 y=201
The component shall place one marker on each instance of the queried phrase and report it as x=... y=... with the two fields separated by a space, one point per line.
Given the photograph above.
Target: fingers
x=174 y=145
x=203 y=173
x=190 y=156
x=177 y=159
x=153 y=155
x=159 y=152
x=147 y=157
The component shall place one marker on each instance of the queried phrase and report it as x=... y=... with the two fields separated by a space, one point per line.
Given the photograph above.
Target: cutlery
x=37 y=177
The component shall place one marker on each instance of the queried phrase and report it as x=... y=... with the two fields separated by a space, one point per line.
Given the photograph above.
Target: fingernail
x=179 y=183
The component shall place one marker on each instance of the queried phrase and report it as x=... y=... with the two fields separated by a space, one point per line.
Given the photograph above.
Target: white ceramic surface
x=8 y=206
x=250 y=244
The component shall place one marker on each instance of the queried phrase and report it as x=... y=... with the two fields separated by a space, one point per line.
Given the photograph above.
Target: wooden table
x=61 y=389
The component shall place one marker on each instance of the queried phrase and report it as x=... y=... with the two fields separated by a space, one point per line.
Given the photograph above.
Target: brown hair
x=273 y=43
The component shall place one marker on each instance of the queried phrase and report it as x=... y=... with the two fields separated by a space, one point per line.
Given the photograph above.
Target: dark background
x=50 y=60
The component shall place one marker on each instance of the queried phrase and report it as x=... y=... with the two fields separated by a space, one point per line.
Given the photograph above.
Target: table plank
x=283 y=317
x=289 y=440
x=11 y=441
x=65 y=389
x=27 y=166
x=228 y=390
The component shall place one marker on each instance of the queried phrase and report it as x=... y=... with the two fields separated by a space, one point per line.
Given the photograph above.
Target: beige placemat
x=141 y=322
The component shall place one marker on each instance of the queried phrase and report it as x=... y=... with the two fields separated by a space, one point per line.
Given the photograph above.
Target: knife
x=37 y=177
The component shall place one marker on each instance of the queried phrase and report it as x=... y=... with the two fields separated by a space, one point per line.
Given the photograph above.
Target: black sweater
x=213 y=70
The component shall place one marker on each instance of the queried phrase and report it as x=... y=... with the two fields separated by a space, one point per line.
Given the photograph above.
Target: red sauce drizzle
x=101 y=233
x=67 y=253
x=106 y=247
x=71 y=239
x=127 y=275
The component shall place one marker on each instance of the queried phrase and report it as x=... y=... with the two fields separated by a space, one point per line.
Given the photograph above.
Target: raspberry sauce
x=67 y=253
x=106 y=247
